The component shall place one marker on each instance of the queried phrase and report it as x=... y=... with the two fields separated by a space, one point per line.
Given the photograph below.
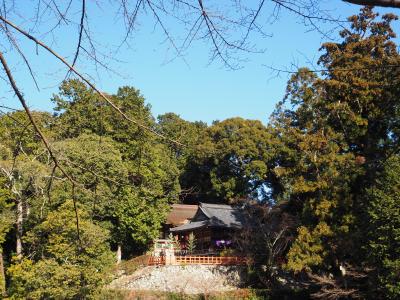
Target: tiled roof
x=190 y=226
x=216 y=215
x=223 y=215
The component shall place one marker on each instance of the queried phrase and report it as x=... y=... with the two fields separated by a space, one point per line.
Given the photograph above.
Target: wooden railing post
x=193 y=260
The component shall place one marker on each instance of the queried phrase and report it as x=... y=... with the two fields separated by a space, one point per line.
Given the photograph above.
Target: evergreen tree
x=335 y=135
x=64 y=263
x=384 y=230
x=232 y=162
x=6 y=222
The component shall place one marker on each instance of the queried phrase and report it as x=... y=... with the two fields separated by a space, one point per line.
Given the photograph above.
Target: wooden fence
x=200 y=260
x=210 y=260
x=159 y=260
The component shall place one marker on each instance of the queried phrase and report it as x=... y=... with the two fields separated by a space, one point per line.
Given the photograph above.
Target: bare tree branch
x=40 y=133
x=83 y=78
x=16 y=46
x=81 y=26
x=383 y=3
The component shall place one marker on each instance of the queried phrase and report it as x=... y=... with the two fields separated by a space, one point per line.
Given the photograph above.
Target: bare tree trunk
x=20 y=217
x=2 y=275
x=119 y=254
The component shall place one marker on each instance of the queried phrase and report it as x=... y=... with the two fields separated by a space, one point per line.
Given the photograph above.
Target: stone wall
x=190 y=279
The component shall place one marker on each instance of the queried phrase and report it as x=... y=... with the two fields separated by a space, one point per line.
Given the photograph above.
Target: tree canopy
x=320 y=180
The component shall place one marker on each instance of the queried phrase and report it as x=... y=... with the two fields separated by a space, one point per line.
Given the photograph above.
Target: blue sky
x=196 y=90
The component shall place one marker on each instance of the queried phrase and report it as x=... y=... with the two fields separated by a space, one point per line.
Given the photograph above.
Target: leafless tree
x=266 y=236
x=345 y=286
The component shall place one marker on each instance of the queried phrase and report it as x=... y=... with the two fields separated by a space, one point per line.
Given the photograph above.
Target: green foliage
x=175 y=244
x=335 y=131
x=132 y=174
x=22 y=174
x=83 y=111
x=329 y=154
x=232 y=162
x=384 y=231
x=124 y=182
x=139 y=217
x=45 y=279
x=6 y=222
x=308 y=250
x=6 y=216
x=64 y=265
x=185 y=132
x=191 y=243
x=18 y=136
x=96 y=164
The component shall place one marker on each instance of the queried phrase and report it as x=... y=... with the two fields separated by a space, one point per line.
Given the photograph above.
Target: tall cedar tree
x=384 y=229
x=337 y=133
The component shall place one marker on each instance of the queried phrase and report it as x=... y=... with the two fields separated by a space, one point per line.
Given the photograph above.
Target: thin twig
x=89 y=83
x=80 y=32
x=39 y=132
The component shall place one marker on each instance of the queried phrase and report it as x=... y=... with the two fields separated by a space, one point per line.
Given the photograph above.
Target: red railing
x=210 y=260
x=159 y=260
x=200 y=260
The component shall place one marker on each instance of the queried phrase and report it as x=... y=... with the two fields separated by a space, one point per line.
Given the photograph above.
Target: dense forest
x=328 y=157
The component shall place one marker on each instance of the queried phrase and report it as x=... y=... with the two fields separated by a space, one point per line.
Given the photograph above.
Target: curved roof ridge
x=215 y=205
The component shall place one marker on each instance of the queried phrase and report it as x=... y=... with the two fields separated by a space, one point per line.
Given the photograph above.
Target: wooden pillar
x=170 y=257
